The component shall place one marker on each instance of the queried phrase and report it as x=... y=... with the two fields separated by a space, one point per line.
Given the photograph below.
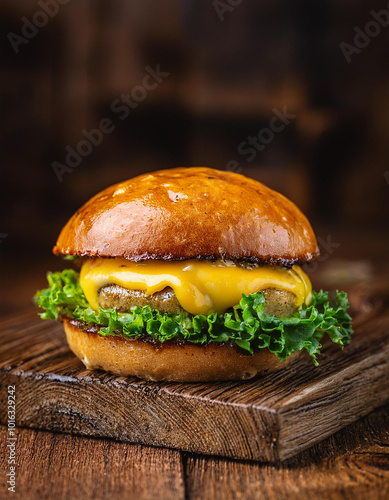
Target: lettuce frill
x=245 y=325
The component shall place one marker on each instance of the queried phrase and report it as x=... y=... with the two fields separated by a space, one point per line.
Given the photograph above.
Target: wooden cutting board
x=267 y=419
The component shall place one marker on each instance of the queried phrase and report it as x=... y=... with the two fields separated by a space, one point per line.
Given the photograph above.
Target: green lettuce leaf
x=245 y=325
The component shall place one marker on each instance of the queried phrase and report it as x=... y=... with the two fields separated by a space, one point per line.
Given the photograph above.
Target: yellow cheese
x=201 y=287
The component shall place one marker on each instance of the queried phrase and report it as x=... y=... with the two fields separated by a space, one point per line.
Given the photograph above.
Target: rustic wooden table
x=352 y=464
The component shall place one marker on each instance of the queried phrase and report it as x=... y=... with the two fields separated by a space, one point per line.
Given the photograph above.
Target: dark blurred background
x=232 y=67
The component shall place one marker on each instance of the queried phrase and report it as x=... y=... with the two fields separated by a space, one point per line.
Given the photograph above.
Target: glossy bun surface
x=188 y=213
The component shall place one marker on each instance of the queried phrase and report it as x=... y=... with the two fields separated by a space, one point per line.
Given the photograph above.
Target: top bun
x=190 y=213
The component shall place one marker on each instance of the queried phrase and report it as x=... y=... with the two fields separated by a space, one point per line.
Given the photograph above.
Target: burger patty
x=280 y=303
x=111 y=296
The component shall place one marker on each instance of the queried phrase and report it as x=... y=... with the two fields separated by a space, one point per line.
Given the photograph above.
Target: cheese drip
x=201 y=287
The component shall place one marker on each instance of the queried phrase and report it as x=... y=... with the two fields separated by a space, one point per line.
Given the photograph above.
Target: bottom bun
x=169 y=361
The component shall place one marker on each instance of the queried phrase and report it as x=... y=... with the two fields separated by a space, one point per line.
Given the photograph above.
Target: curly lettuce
x=245 y=325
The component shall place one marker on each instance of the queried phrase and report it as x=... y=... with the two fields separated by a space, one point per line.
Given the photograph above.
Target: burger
x=191 y=274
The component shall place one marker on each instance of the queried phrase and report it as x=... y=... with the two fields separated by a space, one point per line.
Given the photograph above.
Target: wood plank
x=63 y=466
x=265 y=419
x=351 y=465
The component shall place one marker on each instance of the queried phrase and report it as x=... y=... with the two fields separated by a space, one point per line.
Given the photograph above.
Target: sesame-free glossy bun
x=188 y=213
x=169 y=361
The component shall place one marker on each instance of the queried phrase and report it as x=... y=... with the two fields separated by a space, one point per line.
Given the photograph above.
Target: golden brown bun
x=169 y=361
x=187 y=213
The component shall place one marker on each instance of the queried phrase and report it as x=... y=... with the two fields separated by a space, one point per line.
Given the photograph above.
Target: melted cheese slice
x=201 y=287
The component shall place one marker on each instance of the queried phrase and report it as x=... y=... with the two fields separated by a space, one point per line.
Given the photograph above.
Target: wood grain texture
x=351 y=465
x=271 y=418
x=67 y=467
